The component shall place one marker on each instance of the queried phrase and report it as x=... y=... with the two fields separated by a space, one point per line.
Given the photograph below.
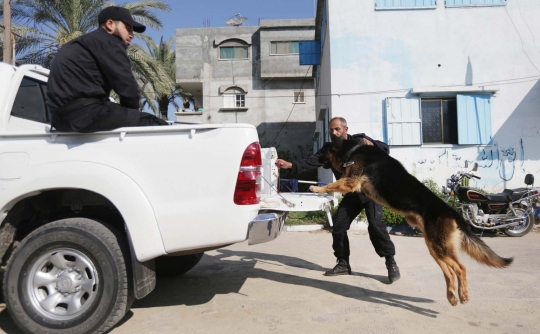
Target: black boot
x=342 y=268
x=393 y=270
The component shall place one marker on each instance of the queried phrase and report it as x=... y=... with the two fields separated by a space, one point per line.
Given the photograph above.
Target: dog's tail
x=478 y=250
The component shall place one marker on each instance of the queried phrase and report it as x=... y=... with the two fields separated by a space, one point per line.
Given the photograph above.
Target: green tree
x=158 y=99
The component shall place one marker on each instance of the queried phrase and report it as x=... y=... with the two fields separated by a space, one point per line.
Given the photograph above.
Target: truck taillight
x=248 y=183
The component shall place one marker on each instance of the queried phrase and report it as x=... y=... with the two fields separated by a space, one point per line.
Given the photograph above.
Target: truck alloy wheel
x=62 y=284
x=68 y=277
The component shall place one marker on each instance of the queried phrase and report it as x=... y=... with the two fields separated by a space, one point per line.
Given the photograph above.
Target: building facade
x=250 y=74
x=445 y=83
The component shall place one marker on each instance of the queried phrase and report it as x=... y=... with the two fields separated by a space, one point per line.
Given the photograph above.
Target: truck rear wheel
x=68 y=276
x=176 y=265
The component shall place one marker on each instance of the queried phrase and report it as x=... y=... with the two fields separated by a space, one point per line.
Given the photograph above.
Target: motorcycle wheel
x=521 y=230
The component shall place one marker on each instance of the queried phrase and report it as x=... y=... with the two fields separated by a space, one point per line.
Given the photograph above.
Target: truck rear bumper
x=265 y=227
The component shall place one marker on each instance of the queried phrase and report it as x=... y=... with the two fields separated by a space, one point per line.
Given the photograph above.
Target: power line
x=486 y=83
x=294 y=105
x=521 y=39
x=534 y=38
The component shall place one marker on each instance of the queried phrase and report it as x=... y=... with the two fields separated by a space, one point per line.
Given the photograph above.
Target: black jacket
x=90 y=66
x=319 y=159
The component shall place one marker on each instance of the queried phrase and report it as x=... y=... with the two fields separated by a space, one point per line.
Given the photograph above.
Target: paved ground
x=278 y=287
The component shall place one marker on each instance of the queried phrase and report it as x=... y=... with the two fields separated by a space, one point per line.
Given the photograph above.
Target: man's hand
x=316 y=189
x=283 y=164
x=367 y=142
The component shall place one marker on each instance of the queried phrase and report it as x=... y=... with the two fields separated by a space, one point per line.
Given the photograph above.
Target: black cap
x=120 y=14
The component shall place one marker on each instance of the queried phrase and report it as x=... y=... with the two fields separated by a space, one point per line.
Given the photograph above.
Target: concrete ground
x=278 y=287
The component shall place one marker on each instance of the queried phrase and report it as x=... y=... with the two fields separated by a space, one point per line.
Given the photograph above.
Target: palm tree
x=165 y=55
x=45 y=25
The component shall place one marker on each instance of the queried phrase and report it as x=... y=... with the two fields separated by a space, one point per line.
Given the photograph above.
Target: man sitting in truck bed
x=85 y=71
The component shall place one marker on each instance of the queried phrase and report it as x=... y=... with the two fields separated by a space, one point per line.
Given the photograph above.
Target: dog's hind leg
x=461 y=272
x=452 y=245
x=344 y=186
x=450 y=278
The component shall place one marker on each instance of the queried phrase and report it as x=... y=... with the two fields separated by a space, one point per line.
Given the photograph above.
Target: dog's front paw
x=315 y=189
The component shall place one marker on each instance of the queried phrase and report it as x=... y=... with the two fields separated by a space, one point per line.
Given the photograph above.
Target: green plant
x=309 y=217
x=391 y=218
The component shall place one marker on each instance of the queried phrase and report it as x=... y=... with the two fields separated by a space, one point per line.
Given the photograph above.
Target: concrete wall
x=283 y=66
x=388 y=53
x=269 y=98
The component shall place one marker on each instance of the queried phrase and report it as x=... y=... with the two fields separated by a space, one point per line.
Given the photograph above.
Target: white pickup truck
x=86 y=220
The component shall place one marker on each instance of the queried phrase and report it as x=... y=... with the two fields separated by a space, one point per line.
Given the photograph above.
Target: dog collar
x=349 y=153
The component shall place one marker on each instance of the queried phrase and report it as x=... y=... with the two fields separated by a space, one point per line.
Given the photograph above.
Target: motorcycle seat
x=508 y=195
x=500 y=198
x=515 y=194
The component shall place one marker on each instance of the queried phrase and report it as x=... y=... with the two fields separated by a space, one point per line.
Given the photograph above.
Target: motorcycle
x=512 y=210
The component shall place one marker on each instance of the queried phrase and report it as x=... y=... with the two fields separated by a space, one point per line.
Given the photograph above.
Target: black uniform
x=82 y=76
x=351 y=206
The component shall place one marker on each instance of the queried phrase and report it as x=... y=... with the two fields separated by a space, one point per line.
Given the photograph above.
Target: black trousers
x=350 y=207
x=102 y=116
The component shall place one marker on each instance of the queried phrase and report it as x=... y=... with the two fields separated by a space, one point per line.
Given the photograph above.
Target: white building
x=442 y=82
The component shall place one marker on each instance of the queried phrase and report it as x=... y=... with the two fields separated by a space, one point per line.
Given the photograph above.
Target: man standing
x=85 y=71
x=351 y=206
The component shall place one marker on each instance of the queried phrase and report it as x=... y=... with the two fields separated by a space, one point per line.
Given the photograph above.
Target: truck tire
x=176 y=265
x=68 y=276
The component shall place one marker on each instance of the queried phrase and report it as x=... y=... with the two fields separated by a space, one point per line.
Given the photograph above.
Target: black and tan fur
x=383 y=179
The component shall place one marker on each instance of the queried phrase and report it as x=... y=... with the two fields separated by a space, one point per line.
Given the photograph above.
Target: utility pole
x=8 y=48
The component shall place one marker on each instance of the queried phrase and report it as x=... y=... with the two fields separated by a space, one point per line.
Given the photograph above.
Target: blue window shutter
x=393 y=4
x=463 y=3
x=403 y=121
x=474 y=118
x=310 y=52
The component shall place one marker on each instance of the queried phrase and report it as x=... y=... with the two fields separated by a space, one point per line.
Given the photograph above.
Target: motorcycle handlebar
x=471 y=176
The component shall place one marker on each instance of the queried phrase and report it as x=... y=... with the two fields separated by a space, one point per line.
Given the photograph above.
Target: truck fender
x=121 y=190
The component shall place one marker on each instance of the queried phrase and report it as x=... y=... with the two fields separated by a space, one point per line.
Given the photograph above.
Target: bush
x=391 y=218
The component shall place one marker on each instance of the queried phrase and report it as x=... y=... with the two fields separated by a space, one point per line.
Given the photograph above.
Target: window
x=234 y=52
x=464 y=119
x=405 y=4
x=464 y=3
x=234 y=100
x=284 y=48
x=299 y=97
x=30 y=102
x=439 y=121
x=240 y=100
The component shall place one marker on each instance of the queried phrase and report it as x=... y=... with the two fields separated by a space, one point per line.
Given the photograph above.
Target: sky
x=193 y=14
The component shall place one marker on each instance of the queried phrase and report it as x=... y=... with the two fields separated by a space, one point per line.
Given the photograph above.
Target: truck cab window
x=30 y=101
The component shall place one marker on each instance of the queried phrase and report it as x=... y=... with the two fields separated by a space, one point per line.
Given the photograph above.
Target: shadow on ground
x=228 y=271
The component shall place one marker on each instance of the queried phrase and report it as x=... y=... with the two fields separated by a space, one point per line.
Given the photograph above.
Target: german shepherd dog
x=383 y=179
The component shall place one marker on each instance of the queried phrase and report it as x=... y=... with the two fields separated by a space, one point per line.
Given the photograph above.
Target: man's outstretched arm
x=303 y=165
